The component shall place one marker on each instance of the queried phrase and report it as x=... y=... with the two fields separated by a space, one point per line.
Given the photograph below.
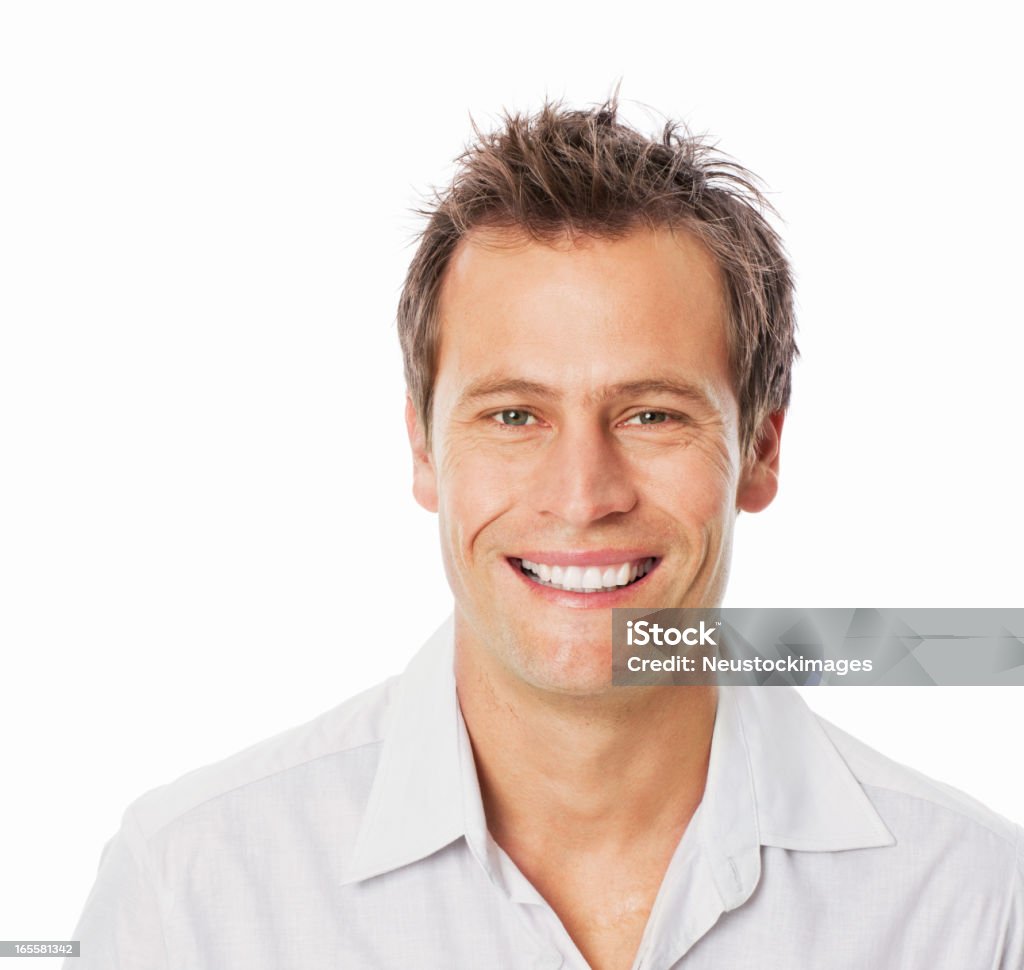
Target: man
x=598 y=337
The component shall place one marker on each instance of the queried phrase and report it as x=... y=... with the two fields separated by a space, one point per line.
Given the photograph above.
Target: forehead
x=585 y=311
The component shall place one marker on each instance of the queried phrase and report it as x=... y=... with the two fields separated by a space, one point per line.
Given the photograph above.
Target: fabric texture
x=359 y=840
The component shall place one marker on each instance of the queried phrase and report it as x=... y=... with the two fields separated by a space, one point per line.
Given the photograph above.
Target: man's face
x=584 y=450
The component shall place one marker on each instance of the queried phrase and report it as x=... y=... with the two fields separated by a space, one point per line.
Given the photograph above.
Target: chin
x=574 y=666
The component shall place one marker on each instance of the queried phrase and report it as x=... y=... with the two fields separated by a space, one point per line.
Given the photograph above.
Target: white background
x=206 y=528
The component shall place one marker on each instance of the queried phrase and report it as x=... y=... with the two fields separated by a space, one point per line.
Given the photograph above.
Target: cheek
x=697 y=485
x=474 y=492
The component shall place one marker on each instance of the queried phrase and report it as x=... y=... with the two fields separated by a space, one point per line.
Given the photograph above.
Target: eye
x=650 y=417
x=514 y=418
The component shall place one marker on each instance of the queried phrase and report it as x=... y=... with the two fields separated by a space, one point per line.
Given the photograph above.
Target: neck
x=614 y=768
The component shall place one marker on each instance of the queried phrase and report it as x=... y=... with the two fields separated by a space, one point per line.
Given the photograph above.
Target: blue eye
x=514 y=418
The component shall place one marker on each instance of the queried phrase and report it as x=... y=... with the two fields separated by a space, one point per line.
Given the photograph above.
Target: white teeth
x=587 y=579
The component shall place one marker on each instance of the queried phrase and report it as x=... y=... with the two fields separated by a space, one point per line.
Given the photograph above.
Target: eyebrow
x=500 y=386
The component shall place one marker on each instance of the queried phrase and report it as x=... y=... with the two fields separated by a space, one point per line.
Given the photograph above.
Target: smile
x=586 y=579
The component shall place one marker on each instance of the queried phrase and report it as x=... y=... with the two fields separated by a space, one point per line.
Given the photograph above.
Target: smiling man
x=598 y=338
x=585 y=447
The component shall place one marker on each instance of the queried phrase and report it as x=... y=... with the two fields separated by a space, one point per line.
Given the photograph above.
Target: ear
x=424 y=480
x=760 y=479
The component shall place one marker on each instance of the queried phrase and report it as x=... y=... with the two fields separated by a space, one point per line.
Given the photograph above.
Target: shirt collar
x=416 y=802
x=807 y=797
x=774 y=779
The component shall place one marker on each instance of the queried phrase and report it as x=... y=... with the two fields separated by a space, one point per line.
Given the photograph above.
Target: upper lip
x=584 y=557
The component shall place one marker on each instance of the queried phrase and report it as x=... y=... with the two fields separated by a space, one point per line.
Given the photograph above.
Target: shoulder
x=340 y=744
x=891 y=781
x=216 y=838
x=928 y=817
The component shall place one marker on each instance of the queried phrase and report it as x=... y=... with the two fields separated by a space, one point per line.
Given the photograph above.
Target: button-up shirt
x=359 y=840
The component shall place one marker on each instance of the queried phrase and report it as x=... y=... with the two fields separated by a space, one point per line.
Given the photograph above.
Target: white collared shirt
x=358 y=840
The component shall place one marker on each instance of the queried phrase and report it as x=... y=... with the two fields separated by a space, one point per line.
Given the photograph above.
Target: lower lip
x=583 y=601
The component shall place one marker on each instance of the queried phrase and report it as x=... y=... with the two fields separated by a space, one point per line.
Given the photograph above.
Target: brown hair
x=567 y=172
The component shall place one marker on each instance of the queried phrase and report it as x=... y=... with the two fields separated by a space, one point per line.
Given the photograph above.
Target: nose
x=582 y=477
